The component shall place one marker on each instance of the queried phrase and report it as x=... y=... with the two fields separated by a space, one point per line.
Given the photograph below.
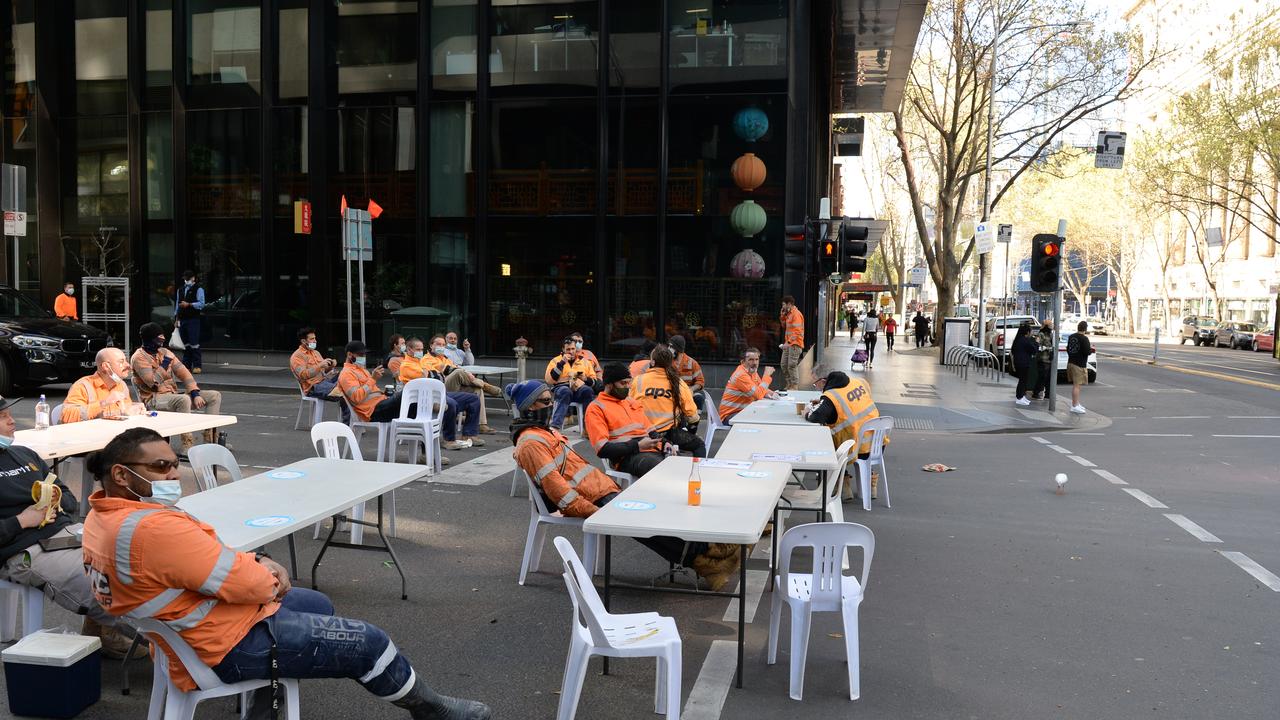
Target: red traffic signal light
x=1046 y=250
x=1050 y=249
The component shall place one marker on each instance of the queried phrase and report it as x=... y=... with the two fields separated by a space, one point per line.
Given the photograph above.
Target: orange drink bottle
x=695 y=485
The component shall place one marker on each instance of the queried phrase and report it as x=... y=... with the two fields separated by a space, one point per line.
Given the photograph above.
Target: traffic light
x=1046 y=262
x=795 y=247
x=853 y=246
x=828 y=255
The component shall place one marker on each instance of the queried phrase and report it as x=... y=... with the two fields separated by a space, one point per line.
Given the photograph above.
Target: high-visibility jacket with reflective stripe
x=360 y=390
x=742 y=389
x=654 y=392
x=308 y=367
x=84 y=399
x=559 y=371
x=854 y=407
x=609 y=419
x=690 y=371
x=146 y=560
x=793 y=326
x=572 y=483
x=639 y=366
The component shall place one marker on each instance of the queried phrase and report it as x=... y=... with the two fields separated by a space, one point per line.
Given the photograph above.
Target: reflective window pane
x=541 y=282
x=224 y=52
x=224 y=164
x=452 y=150
x=634 y=47
x=289 y=161
x=158 y=137
x=453 y=45
x=377 y=48
x=20 y=59
x=547 y=44
x=101 y=175
x=631 y=286
x=101 y=54
x=229 y=267
x=554 y=175
x=376 y=159
x=451 y=279
x=728 y=41
x=292 y=50
x=159 y=54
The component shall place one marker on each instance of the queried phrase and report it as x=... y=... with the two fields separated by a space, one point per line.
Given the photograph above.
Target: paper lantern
x=748 y=172
x=750 y=124
x=747 y=218
x=747 y=264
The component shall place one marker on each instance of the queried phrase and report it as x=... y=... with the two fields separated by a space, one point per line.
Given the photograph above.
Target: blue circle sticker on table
x=634 y=505
x=285 y=475
x=268 y=521
x=752 y=474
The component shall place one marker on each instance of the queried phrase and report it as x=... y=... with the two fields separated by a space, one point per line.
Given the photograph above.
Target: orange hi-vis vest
x=560 y=374
x=690 y=371
x=638 y=367
x=145 y=560
x=571 y=482
x=854 y=407
x=609 y=419
x=360 y=390
x=84 y=399
x=793 y=327
x=308 y=367
x=654 y=392
x=742 y=389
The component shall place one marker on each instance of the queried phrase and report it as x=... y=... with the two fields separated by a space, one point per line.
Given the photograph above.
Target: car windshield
x=1206 y=321
x=14 y=304
x=1246 y=327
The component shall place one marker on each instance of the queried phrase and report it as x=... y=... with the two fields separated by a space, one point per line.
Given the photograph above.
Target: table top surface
x=488 y=369
x=804 y=447
x=59 y=441
x=276 y=503
x=777 y=412
x=737 y=502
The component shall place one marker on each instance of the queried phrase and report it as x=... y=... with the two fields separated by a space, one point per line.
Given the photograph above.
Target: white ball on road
x=1060 y=478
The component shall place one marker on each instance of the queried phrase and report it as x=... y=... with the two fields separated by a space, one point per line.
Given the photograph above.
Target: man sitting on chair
x=156 y=373
x=237 y=610
x=746 y=386
x=617 y=426
x=469 y=401
x=571 y=377
x=317 y=376
x=104 y=392
x=845 y=406
x=689 y=369
x=576 y=488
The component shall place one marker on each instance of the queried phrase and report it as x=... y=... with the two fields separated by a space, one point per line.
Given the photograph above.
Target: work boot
x=716 y=571
x=875 y=480
x=196 y=371
x=423 y=703
x=211 y=435
x=486 y=430
x=456 y=445
x=493 y=390
x=187 y=441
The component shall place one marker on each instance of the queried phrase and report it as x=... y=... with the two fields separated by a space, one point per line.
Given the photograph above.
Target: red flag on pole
x=374 y=209
x=342 y=209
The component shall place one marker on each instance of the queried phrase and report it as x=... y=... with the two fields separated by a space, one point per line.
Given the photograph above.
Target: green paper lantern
x=748 y=218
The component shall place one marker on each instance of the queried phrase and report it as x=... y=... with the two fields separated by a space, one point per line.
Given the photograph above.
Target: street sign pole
x=1057 y=325
x=346 y=253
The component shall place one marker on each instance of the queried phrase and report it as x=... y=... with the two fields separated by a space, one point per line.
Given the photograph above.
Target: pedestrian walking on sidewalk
x=921 y=324
x=870 y=326
x=1045 y=341
x=793 y=341
x=1024 y=352
x=890 y=329
x=1079 y=348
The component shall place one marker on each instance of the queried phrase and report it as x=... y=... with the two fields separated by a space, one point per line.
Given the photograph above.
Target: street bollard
x=522 y=351
x=1155 y=351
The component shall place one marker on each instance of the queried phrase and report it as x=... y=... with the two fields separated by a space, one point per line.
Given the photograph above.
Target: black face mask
x=541 y=416
x=152 y=345
x=620 y=393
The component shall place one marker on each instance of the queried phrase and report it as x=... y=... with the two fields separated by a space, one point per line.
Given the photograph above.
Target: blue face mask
x=163 y=492
x=417 y=354
x=361 y=361
x=5 y=442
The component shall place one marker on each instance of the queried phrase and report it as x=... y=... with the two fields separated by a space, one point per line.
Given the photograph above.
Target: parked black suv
x=36 y=348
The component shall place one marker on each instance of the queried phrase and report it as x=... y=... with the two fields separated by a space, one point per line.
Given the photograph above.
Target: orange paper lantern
x=748 y=172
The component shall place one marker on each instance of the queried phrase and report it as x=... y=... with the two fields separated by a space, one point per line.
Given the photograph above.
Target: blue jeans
x=461 y=402
x=321 y=391
x=312 y=643
x=190 y=330
x=564 y=396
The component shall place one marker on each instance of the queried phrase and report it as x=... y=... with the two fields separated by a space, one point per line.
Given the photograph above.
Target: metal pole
x=1155 y=351
x=986 y=181
x=346 y=250
x=1057 y=326
x=360 y=270
x=820 y=341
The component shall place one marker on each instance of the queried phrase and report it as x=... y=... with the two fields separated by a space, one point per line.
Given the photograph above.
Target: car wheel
x=1092 y=376
x=1195 y=341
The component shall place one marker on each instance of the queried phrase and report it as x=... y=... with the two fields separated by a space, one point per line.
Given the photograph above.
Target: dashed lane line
x=1080 y=433
x=1145 y=499
x=1246 y=563
x=1040 y=440
x=1109 y=477
x=1181 y=417
x=1158 y=435
x=1081 y=460
x=1253 y=417
x=1247 y=436
x=706 y=700
x=1196 y=531
x=1059 y=448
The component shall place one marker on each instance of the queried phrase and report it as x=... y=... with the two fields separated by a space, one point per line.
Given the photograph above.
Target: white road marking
x=1185 y=391
x=1080 y=433
x=1123 y=417
x=1081 y=460
x=1158 y=435
x=478 y=471
x=1059 y=448
x=1248 y=436
x=1246 y=563
x=1109 y=477
x=710 y=690
x=1040 y=440
x=1181 y=417
x=1196 y=531
x=756 y=580
x=1253 y=417
x=1146 y=499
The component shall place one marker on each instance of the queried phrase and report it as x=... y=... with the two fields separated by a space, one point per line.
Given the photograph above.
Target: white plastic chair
x=55 y=416
x=879 y=429
x=540 y=516
x=713 y=419
x=802 y=500
x=170 y=703
x=577 y=416
x=32 y=610
x=70 y=465
x=207 y=458
x=315 y=406
x=597 y=632
x=358 y=427
x=426 y=426
x=324 y=439
x=826 y=589
x=624 y=479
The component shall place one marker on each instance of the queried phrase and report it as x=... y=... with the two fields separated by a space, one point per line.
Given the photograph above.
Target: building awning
x=874 y=43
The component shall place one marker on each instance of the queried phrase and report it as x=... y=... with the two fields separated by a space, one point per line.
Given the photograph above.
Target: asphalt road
x=1244 y=364
x=989 y=595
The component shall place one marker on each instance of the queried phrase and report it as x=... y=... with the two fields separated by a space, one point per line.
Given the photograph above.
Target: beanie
x=150 y=331
x=676 y=342
x=836 y=380
x=523 y=394
x=613 y=372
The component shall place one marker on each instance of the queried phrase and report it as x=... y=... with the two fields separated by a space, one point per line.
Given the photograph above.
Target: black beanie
x=150 y=331
x=613 y=372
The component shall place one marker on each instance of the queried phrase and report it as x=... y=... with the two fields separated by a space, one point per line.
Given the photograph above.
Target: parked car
x=1199 y=329
x=1000 y=332
x=1234 y=335
x=1097 y=326
x=36 y=348
x=1264 y=340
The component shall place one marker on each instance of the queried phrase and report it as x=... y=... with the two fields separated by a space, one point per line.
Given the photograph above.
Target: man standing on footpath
x=1043 y=358
x=1079 y=348
x=188 y=309
x=64 y=306
x=792 y=342
x=921 y=324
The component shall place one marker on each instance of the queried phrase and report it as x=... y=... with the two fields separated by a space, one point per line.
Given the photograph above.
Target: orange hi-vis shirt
x=654 y=392
x=559 y=371
x=65 y=306
x=793 y=328
x=609 y=419
x=360 y=390
x=84 y=399
x=308 y=367
x=639 y=366
x=571 y=482
x=591 y=358
x=743 y=389
x=690 y=371
x=148 y=561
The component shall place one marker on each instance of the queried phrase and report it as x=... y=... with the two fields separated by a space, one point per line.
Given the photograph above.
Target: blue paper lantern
x=750 y=124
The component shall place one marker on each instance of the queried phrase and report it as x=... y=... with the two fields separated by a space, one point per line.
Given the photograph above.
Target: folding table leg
x=608 y=567
x=404 y=591
x=293 y=557
x=742 y=608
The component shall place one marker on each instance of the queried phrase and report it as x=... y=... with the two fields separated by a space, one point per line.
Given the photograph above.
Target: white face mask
x=163 y=492
x=311 y=346
x=70 y=291
x=403 y=347
x=437 y=349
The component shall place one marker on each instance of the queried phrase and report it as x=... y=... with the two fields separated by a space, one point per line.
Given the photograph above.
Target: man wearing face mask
x=156 y=374
x=585 y=354
x=576 y=488
x=458 y=354
x=317 y=375
x=571 y=378
x=59 y=573
x=618 y=428
x=64 y=306
x=103 y=392
x=396 y=354
x=360 y=387
x=188 y=308
x=460 y=388
x=237 y=610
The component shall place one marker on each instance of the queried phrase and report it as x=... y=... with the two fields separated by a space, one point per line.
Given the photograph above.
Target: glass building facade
x=622 y=168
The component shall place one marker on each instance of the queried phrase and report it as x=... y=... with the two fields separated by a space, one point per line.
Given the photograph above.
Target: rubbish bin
x=418 y=321
x=955 y=331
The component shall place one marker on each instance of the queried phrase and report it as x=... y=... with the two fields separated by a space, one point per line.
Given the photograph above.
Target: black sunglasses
x=160 y=466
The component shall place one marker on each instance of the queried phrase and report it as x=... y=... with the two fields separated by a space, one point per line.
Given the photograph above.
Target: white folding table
x=777 y=412
x=737 y=503
x=275 y=504
x=485 y=371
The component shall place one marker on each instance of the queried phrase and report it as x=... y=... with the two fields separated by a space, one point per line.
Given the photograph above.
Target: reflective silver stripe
x=533 y=438
x=583 y=471
x=599 y=444
x=625 y=430
x=852 y=420
x=568 y=499
x=409 y=684
x=124 y=544
x=218 y=575
x=193 y=618
x=152 y=607
x=845 y=410
x=380 y=666
x=544 y=471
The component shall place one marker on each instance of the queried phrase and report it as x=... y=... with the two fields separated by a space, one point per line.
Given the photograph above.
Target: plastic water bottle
x=42 y=414
x=695 y=485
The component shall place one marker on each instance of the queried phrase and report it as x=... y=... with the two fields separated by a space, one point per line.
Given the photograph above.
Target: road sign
x=917 y=275
x=15 y=223
x=985 y=234
x=358 y=236
x=1005 y=234
x=1110 y=150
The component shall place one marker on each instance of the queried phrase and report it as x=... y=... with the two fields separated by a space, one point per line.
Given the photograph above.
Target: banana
x=48 y=497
